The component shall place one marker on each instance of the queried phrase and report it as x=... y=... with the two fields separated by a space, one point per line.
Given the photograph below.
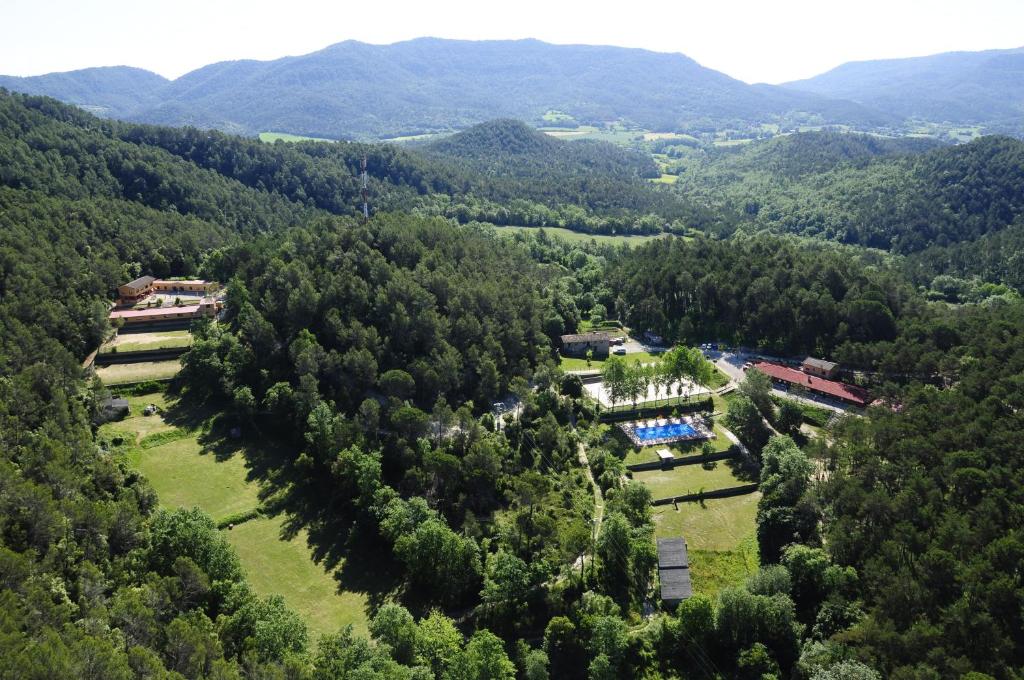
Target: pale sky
x=753 y=40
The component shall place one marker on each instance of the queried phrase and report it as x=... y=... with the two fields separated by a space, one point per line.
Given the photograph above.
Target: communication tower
x=366 y=191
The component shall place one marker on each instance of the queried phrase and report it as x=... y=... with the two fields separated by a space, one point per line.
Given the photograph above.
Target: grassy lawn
x=275 y=565
x=185 y=474
x=720 y=538
x=137 y=372
x=287 y=137
x=577 y=364
x=137 y=342
x=686 y=479
x=578 y=237
x=720 y=524
x=713 y=570
x=135 y=424
x=666 y=179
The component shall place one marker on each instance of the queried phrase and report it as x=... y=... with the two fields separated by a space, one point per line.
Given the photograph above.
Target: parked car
x=619 y=350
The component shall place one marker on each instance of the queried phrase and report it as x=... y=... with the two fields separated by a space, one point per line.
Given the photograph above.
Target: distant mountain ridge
x=985 y=88
x=105 y=90
x=354 y=89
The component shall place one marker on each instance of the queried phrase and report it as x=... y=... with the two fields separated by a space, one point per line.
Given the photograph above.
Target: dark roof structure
x=140 y=282
x=674 y=570
x=820 y=364
x=109 y=409
x=594 y=336
x=675 y=585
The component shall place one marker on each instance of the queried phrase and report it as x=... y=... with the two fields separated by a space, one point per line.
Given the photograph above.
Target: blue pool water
x=672 y=431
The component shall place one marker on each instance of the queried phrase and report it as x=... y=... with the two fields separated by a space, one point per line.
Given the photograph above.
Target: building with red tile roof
x=850 y=394
x=207 y=307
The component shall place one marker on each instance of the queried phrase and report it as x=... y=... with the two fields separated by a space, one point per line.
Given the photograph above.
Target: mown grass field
x=117 y=374
x=271 y=137
x=666 y=179
x=577 y=364
x=137 y=342
x=717 y=524
x=168 y=449
x=277 y=564
x=687 y=479
x=579 y=237
x=184 y=475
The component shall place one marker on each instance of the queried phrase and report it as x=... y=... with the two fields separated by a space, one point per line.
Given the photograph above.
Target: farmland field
x=118 y=374
x=271 y=137
x=578 y=237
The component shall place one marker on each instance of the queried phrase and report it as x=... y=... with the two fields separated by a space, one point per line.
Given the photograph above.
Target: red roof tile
x=828 y=387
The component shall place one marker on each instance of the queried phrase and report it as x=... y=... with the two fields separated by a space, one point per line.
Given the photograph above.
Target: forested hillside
x=893 y=195
x=430 y=84
x=108 y=90
x=964 y=87
x=366 y=358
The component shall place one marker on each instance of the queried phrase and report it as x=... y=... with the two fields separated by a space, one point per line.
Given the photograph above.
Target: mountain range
x=356 y=90
x=981 y=88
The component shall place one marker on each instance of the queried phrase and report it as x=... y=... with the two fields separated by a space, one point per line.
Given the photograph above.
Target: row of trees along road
x=680 y=366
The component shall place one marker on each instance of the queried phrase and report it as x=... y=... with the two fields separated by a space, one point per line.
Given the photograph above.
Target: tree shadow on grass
x=744 y=468
x=355 y=557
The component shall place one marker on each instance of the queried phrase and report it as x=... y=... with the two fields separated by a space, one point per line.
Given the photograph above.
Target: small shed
x=665 y=456
x=113 y=408
x=674 y=571
x=820 y=367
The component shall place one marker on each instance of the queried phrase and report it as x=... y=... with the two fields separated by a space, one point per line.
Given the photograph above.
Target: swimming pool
x=665 y=432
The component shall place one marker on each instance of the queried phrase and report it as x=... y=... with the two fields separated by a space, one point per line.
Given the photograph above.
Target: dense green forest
x=876 y=195
x=903 y=196
x=370 y=355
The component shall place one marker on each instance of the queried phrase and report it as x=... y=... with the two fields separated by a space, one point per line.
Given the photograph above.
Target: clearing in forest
x=581 y=237
x=189 y=467
x=138 y=342
x=140 y=371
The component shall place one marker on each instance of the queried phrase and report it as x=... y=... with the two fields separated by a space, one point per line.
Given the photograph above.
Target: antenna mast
x=366 y=192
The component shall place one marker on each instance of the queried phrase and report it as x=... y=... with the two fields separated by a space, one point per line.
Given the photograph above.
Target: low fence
x=662 y=411
x=162 y=354
x=708 y=495
x=152 y=326
x=685 y=460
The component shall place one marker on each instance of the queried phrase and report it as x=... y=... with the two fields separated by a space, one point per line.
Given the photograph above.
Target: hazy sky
x=755 y=41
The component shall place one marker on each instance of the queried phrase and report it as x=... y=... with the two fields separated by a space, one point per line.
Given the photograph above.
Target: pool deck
x=699 y=430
